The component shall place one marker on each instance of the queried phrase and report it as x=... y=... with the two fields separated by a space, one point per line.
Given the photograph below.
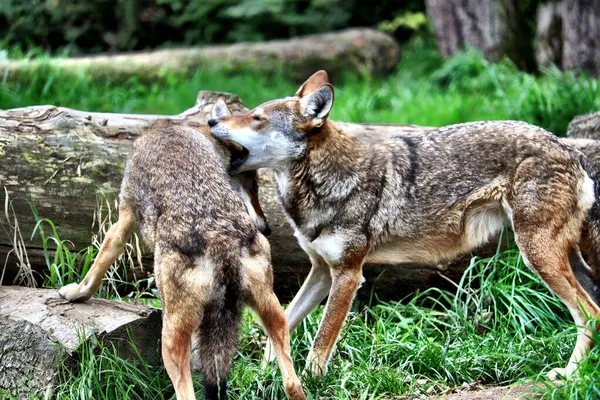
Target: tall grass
x=501 y=326
x=424 y=90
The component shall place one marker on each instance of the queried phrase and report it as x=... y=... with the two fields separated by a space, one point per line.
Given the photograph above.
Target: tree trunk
x=568 y=35
x=495 y=27
x=582 y=35
x=58 y=159
x=360 y=50
x=38 y=328
x=549 y=34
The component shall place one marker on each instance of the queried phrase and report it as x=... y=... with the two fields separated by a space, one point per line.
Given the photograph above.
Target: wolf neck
x=327 y=174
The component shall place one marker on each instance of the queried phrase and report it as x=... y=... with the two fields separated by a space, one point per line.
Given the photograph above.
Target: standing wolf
x=209 y=257
x=420 y=199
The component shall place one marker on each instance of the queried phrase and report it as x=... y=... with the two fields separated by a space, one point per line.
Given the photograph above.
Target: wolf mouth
x=239 y=154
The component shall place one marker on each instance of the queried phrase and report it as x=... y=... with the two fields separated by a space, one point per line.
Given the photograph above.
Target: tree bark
x=39 y=328
x=495 y=27
x=568 y=35
x=582 y=35
x=58 y=159
x=360 y=50
x=549 y=34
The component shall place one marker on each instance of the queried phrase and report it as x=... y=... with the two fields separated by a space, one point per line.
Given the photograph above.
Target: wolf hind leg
x=552 y=265
x=265 y=304
x=184 y=289
x=111 y=248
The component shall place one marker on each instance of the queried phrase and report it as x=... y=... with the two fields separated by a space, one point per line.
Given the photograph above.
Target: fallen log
x=58 y=159
x=39 y=328
x=586 y=126
x=360 y=50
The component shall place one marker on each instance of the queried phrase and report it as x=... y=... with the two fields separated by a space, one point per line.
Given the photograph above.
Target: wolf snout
x=212 y=122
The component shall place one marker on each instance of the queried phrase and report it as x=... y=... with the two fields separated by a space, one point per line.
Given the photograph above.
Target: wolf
x=210 y=259
x=424 y=198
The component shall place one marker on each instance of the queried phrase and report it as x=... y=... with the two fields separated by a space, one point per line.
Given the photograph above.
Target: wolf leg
x=264 y=302
x=314 y=289
x=346 y=280
x=111 y=248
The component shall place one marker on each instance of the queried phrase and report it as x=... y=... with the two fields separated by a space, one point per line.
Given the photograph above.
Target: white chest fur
x=328 y=247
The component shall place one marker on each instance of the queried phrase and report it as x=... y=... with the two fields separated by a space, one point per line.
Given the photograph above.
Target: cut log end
x=39 y=331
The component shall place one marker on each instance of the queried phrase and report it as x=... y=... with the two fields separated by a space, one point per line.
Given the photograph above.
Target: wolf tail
x=216 y=339
x=585 y=261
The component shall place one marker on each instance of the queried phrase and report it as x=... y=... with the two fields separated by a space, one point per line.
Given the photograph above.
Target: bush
x=90 y=26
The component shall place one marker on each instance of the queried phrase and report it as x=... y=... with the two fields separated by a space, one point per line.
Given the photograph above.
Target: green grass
x=501 y=327
x=424 y=90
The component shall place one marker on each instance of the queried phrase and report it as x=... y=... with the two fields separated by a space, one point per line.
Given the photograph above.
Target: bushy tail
x=216 y=339
x=588 y=271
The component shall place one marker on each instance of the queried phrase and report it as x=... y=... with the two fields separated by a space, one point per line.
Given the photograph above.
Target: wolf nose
x=212 y=122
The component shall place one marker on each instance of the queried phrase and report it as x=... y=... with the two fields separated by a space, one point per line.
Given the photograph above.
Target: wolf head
x=245 y=184
x=277 y=131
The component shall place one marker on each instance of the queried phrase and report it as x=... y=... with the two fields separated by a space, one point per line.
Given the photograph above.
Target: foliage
x=424 y=90
x=91 y=26
x=409 y=20
x=102 y=375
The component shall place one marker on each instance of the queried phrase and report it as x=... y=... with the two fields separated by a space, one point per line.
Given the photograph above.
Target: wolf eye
x=257 y=118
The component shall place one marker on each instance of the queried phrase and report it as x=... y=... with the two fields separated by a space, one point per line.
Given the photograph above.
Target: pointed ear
x=316 y=105
x=220 y=108
x=317 y=80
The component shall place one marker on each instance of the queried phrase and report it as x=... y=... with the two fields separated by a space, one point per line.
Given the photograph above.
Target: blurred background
x=454 y=61
x=93 y=26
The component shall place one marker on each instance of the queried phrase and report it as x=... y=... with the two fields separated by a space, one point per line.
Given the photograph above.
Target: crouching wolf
x=209 y=257
x=420 y=199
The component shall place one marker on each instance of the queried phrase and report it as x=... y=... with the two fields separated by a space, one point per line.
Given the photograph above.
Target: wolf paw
x=293 y=389
x=557 y=373
x=315 y=366
x=74 y=293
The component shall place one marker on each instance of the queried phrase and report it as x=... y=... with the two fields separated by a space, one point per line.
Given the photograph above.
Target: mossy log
x=39 y=331
x=59 y=159
x=360 y=50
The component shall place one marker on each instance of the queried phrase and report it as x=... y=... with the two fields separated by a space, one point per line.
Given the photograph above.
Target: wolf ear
x=220 y=108
x=316 y=105
x=317 y=80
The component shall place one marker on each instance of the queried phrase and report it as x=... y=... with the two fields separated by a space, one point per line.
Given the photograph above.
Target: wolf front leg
x=346 y=279
x=314 y=289
x=111 y=248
